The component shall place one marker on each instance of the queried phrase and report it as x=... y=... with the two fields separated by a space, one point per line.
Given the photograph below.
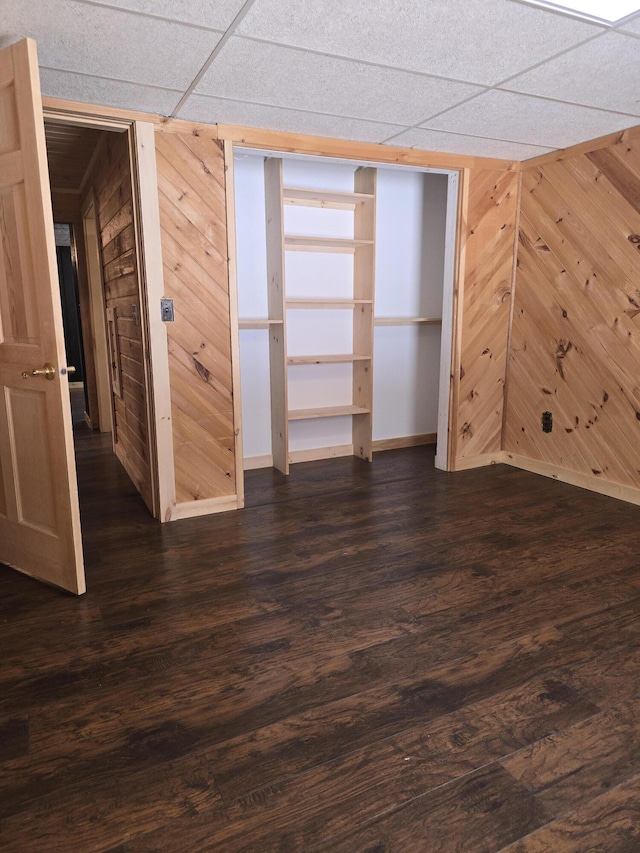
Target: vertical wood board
x=274 y=217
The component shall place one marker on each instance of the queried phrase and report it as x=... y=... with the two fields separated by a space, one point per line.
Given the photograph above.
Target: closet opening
x=345 y=275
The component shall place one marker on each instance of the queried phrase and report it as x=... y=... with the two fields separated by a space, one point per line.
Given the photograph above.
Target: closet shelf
x=343 y=358
x=326 y=303
x=326 y=412
x=338 y=245
x=336 y=200
x=258 y=323
x=408 y=321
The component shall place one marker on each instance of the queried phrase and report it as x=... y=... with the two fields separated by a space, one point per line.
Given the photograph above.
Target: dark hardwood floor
x=367 y=658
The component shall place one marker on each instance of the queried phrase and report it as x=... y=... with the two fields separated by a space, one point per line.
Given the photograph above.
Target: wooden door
x=39 y=515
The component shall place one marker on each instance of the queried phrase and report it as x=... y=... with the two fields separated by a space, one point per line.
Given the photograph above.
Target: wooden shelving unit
x=408 y=321
x=334 y=199
x=257 y=323
x=326 y=412
x=324 y=303
x=342 y=358
x=341 y=245
x=362 y=246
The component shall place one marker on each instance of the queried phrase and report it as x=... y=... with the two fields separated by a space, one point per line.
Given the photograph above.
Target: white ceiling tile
x=109 y=43
x=433 y=140
x=279 y=76
x=482 y=41
x=111 y=93
x=533 y=121
x=602 y=73
x=214 y=110
x=203 y=13
x=633 y=26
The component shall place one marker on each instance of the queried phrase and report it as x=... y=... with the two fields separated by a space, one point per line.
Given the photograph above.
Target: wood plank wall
x=575 y=346
x=193 y=219
x=486 y=264
x=114 y=211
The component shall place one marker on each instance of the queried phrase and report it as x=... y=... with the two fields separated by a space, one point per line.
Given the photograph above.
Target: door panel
x=39 y=515
x=18 y=313
x=31 y=456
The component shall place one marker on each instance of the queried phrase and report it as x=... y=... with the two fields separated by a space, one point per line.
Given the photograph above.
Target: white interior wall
x=410 y=239
x=251 y=254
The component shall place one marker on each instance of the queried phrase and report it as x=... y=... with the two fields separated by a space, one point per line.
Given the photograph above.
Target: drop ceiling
x=495 y=78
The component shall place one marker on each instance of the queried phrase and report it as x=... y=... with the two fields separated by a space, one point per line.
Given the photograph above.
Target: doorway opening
x=93 y=201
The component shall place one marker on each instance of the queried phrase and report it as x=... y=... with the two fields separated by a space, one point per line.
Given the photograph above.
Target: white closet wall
x=410 y=242
x=410 y=239
x=251 y=246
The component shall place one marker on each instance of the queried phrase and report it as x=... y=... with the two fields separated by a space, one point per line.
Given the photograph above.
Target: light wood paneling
x=191 y=184
x=114 y=209
x=575 y=343
x=487 y=232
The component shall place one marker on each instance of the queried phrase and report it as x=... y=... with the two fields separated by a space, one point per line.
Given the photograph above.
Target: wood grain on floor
x=368 y=658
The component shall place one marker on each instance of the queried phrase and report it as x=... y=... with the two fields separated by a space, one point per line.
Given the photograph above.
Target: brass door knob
x=48 y=371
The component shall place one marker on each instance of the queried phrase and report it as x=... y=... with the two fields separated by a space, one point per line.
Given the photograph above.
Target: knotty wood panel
x=191 y=185
x=114 y=210
x=575 y=340
x=486 y=269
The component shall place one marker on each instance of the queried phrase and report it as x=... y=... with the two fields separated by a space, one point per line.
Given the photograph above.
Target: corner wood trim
x=574 y=478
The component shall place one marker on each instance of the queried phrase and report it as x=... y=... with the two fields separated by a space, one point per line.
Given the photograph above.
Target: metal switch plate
x=166 y=310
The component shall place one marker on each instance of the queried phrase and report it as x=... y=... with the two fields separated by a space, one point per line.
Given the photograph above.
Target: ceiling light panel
x=610 y=11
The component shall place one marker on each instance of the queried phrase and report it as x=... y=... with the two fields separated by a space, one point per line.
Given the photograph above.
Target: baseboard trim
x=312 y=455
x=574 y=478
x=404 y=441
x=208 y=506
x=479 y=461
x=250 y=463
x=315 y=454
